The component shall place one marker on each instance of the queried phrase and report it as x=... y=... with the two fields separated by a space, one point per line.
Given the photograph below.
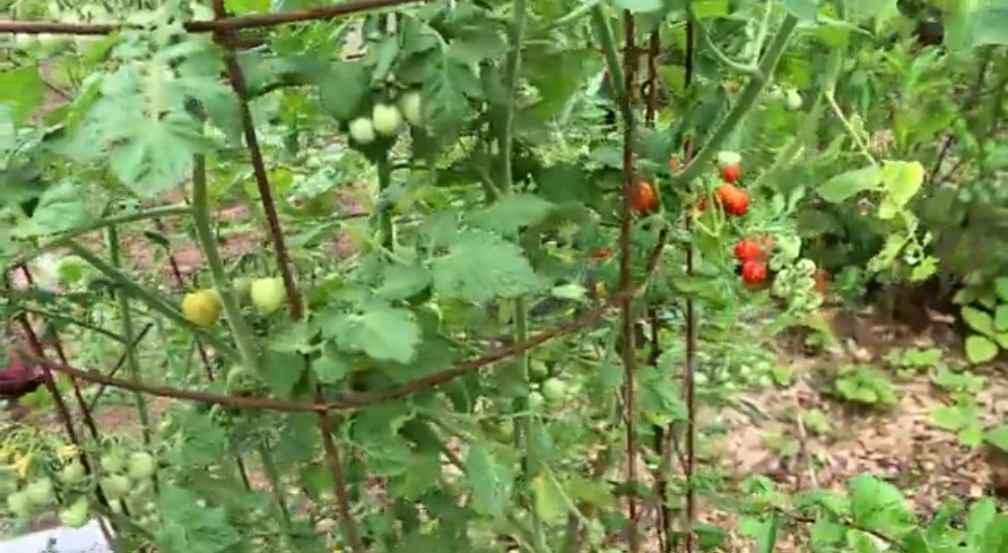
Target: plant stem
x=745 y=102
x=616 y=79
x=151 y=299
x=243 y=336
x=274 y=477
x=64 y=239
x=129 y=333
x=386 y=226
x=511 y=70
x=350 y=531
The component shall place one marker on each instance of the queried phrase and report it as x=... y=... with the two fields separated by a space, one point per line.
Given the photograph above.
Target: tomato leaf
x=980 y=349
x=846 y=185
x=502 y=271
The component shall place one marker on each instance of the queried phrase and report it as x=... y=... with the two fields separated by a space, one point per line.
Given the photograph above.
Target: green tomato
x=793 y=101
x=40 y=492
x=538 y=370
x=112 y=463
x=115 y=486
x=536 y=401
x=241 y=379
x=20 y=504
x=141 y=465
x=506 y=429
x=554 y=390
x=267 y=294
x=362 y=131
x=386 y=119
x=76 y=514
x=72 y=473
x=412 y=108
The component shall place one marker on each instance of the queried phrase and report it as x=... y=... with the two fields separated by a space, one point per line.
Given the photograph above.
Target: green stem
x=63 y=240
x=511 y=71
x=274 y=477
x=745 y=102
x=149 y=298
x=745 y=68
x=128 y=335
x=616 y=78
x=243 y=335
x=386 y=226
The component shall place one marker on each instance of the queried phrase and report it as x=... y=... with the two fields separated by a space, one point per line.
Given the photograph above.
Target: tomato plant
x=401 y=277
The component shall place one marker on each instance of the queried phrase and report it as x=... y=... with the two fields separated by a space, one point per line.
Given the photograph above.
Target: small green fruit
x=141 y=465
x=411 y=106
x=241 y=379
x=554 y=390
x=362 y=131
x=386 y=119
x=19 y=504
x=115 y=486
x=76 y=514
x=112 y=463
x=268 y=294
x=40 y=492
x=536 y=401
x=72 y=473
x=793 y=100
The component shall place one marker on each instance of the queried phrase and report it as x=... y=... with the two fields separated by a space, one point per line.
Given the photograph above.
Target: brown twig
x=216 y=25
x=354 y=401
x=626 y=283
x=237 y=79
x=350 y=531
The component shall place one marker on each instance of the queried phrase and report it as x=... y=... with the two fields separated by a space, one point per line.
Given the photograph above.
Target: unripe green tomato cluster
x=795 y=284
x=386 y=119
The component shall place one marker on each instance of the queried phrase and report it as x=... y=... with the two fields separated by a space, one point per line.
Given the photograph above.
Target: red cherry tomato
x=748 y=249
x=754 y=272
x=731 y=173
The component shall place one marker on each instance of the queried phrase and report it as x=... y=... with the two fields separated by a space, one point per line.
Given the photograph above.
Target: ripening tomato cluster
x=752 y=255
x=204 y=307
x=643 y=198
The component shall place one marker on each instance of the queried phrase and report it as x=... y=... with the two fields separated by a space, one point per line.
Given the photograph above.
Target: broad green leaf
x=1001 y=287
x=1001 y=317
x=878 y=505
x=549 y=501
x=333 y=366
x=802 y=9
x=998 y=437
x=60 y=208
x=480 y=266
x=281 y=371
x=980 y=349
x=846 y=185
x=185 y=529
x=980 y=516
x=639 y=6
x=403 y=281
x=198 y=439
x=978 y=320
x=343 y=89
x=971 y=435
x=512 y=212
x=491 y=481
x=902 y=180
x=990 y=24
x=951 y=417
x=763 y=531
x=380 y=331
x=21 y=90
x=704 y=9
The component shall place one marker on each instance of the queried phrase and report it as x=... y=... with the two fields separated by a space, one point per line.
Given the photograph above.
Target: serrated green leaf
x=901 y=180
x=549 y=501
x=382 y=332
x=491 y=482
x=480 y=266
x=878 y=505
x=343 y=89
x=980 y=349
x=512 y=212
x=998 y=437
x=22 y=90
x=846 y=185
x=188 y=530
x=281 y=371
x=403 y=281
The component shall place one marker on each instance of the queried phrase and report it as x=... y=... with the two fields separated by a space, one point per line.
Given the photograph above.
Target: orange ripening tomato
x=643 y=199
x=601 y=254
x=734 y=199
